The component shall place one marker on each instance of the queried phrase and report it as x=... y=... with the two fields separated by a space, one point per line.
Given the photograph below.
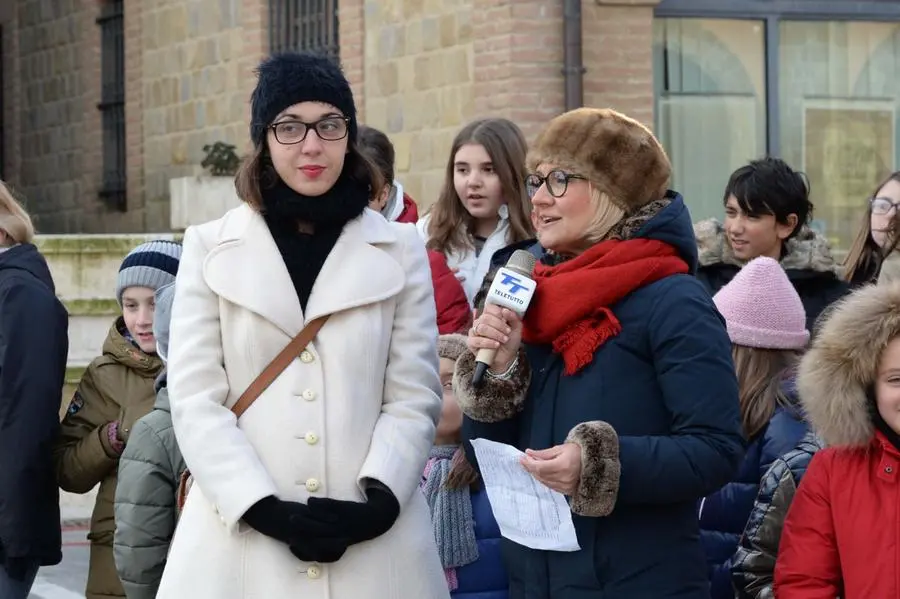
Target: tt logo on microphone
x=513 y=283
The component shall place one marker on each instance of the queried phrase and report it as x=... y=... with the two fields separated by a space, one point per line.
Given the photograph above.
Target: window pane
x=838 y=98
x=709 y=76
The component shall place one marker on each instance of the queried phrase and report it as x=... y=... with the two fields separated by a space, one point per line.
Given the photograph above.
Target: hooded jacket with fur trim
x=807 y=262
x=840 y=535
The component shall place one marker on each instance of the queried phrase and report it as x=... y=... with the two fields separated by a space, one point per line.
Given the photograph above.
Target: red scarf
x=570 y=308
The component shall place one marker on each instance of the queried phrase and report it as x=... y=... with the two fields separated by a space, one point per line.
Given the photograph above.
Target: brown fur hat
x=616 y=153
x=842 y=364
x=451 y=346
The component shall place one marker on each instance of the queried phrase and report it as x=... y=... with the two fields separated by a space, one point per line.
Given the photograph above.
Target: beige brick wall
x=198 y=61
x=518 y=62
x=420 y=70
x=618 y=56
x=352 y=38
x=50 y=101
x=10 y=89
x=419 y=83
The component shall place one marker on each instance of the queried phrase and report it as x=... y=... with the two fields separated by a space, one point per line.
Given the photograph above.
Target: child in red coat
x=392 y=203
x=841 y=534
x=453 y=314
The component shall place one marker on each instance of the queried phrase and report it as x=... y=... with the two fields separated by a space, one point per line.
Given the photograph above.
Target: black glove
x=356 y=521
x=310 y=538
x=287 y=521
x=323 y=550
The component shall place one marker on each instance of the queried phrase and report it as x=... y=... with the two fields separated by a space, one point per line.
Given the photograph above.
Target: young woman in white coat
x=312 y=491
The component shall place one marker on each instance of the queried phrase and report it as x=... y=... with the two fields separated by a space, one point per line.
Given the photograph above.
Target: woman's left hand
x=558 y=467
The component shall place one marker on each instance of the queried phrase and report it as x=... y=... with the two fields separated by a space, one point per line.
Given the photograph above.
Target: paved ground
x=67 y=580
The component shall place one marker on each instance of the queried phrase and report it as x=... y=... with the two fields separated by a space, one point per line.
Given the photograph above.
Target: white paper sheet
x=528 y=512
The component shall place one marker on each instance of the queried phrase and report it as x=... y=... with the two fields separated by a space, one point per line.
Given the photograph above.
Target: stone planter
x=196 y=200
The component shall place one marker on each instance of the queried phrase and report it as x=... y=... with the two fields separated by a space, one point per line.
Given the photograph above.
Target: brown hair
x=257 y=173
x=462 y=474
x=865 y=255
x=14 y=220
x=505 y=144
x=376 y=146
x=760 y=374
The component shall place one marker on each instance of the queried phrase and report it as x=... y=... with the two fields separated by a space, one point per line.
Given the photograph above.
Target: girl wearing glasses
x=312 y=492
x=875 y=241
x=619 y=385
x=482 y=207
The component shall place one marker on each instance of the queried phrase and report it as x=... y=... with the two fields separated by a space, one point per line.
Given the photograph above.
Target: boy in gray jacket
x=149 y=471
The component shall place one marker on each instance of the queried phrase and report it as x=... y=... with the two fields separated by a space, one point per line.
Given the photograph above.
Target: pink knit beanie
x=762 y=309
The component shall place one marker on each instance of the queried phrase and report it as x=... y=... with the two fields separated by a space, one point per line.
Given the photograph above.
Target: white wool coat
x=361 y=402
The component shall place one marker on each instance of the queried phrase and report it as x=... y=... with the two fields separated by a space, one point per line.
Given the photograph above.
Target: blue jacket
x=724 y=514
x=666 y=384
x=485 y=578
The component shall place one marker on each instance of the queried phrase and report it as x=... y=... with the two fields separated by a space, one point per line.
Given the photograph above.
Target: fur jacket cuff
x=600 y=468
x=496 y=399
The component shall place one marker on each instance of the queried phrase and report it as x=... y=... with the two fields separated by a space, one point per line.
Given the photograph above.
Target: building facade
x=102 y=103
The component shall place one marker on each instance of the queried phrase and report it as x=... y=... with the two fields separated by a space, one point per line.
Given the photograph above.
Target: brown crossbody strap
x=277 y=365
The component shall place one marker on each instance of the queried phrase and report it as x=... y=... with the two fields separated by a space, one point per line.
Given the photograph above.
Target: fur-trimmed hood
x=842 y=363
x=806 y=251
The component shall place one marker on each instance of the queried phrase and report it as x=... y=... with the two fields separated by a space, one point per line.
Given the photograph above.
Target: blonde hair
x=14 y=221
x=607 y=214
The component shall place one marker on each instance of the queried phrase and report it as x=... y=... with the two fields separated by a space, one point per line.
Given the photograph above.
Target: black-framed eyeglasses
x=331 y=128
x=883 y=205
x=557 y=182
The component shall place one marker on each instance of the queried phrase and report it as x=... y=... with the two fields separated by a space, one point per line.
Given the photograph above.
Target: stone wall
x=189 y=73
x=518 y=62
x=420 y=70
x=54 y=99
x=618 y=56
x=419 y=78
x=198 y=59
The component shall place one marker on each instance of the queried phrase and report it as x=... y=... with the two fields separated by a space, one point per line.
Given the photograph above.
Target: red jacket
x=453 y=312
x=410 y=213
x=842 y=532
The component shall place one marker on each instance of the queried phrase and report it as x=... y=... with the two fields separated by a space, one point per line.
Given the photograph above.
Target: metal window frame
x=305 y=25
x=114 y=183
x=770 y=13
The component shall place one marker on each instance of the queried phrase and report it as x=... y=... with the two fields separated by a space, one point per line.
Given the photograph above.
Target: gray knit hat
x=162 y=316
x=152 y=264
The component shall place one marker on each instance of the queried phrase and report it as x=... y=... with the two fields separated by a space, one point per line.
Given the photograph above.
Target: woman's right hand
x=497 y=328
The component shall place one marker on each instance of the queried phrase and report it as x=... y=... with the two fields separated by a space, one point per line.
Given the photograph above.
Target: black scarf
x=305 y=253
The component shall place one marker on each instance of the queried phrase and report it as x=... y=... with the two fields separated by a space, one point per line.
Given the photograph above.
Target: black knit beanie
x=292 y=77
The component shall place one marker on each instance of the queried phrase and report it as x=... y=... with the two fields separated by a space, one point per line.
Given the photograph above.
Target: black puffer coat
x=34 y=344
x=753 y=568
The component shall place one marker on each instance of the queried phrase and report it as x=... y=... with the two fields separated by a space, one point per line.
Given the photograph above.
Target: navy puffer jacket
x=724 y=514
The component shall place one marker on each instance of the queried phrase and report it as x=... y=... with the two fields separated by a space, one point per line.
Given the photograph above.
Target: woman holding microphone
x=618 y=384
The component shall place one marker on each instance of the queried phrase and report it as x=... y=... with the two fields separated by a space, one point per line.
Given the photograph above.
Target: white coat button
x=309 y=395
x=314 y=572
x=311 y=438
x=306 y=357
x=312 y=485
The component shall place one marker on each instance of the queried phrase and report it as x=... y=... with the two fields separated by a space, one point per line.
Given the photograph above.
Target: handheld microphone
x=512 y=287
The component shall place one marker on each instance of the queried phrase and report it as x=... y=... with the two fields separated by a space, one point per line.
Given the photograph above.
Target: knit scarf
x=304 y=254
x=451 y=514
x=572 y=305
